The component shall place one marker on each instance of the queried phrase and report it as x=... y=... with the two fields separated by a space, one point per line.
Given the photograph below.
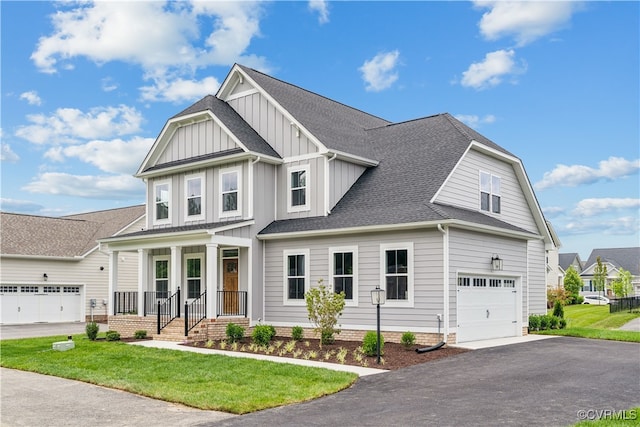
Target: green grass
x=211 y=382
x=593 y=321
x=630 y=417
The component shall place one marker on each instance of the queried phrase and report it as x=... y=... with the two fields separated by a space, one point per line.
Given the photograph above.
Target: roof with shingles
x=566 y=259
x=68 y=236
x=627 y=258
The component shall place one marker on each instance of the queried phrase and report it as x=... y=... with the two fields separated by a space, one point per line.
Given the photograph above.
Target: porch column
x=113 y=280
x=212 y=279
x=176 y=269
x=143 y=278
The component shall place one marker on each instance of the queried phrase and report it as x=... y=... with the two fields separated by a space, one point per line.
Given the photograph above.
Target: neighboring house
x=614 y=259
x=555 y=275
x=51 y=268
x=259 y=192
x=568 y=260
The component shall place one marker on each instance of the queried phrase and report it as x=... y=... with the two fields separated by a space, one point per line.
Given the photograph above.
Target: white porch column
x=143 y=278
x=113 y=280
x=212 y=279
x=176 y=269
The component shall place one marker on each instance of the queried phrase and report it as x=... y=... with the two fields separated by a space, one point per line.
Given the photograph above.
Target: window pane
x=193 y=267
x=495 y=185
x=194 y=206
x=338 y=266
x=296 y=288
x=162 y=193
x=401 y=259
x=300 y=265
x=298 y=197
x=193 y=286
x=230 y=181
x=162 y=269
x=162 y=210
x=292 y=265
x=348 y=263
x=230 y=202
x=194 y=187
x=344 y=284
x=392 y=287
x=484 y=201
x=495 y=204
x=485 y=182
x=391 y=262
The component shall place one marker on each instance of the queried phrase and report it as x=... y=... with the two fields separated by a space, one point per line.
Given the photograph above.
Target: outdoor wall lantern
x=496 y=263
x=378 y=298
x=45 y=277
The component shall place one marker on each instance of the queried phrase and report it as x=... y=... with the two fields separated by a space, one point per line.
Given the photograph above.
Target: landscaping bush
x=140 y=335
x=544 y=322
x=370 y=343
x=234 y=332
x=553 y=322
x=324 y=307
x=297 y=333
x=92 y=329
x=563 y=323
x=558 y=309
x=113 y=336
x=579 y=299
x=263 y=334
x=408 y=339
x=534 y=322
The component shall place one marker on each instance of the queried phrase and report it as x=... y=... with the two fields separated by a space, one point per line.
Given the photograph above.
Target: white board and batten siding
x=342 y=176
x=427 y=278
x=463 y=189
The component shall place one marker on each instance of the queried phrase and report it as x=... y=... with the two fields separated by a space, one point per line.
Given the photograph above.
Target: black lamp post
x=378 y=298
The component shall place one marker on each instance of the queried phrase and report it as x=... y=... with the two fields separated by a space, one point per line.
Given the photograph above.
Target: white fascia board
x=43 y=257
x=361 y=161
x=400 y=227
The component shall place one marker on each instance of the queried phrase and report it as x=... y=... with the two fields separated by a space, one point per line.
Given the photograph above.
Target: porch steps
x=174 y=331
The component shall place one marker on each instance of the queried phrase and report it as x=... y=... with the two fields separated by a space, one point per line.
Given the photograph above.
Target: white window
x=489 y=192
x=194 y=191
x=344 y=272
x=161 y=276
x=296 y=276
x=193 y=271
x=230 y=184
x=162 y=202
x=298 y=189
x=396 y=261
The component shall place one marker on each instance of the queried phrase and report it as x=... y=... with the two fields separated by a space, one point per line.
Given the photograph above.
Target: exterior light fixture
x=378 y=298
x=496 y=263
x=45 y=277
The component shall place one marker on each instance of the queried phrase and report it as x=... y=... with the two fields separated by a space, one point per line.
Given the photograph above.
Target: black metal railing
x=232 y=303
x=621 y=304
x=168 y=309
x=194 y=312
x=125 y=303
x=151 y=301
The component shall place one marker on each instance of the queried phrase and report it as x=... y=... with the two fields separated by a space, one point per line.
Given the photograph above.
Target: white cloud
x=380 y=72
x=595 y=206
x=31 y=97
x=490 y=72
x=475 y=121
x=179 y=90
x=116 y=156
x=108 y=85
x=322 y=7
x=13 y=205
x=67 y=125
x=553 y=211
x=571 y=176
x=8 y=155
x=621 y=226
x=114 y=187
x=525 y=21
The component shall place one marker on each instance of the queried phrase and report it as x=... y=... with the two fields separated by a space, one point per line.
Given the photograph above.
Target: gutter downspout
x=327 y=183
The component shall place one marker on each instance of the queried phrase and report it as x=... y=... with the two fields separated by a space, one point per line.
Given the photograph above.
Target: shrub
x=297 y=333
x=534 y=322
x=263 y=334
x=234 y=332
x=113 y=336
x=140 y=335
x=558 y=310
x=408 y=339
x=557 y=294
x=92 y=329
x=563 y=323
x=324 y=307
x=553 y=322
x=370 y=344
x=544 y=322
x=579 y=299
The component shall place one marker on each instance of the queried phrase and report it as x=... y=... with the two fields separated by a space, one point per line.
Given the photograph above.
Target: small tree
x=572 y=283
x=324 y=307
x=600 y=275
x=622 y=286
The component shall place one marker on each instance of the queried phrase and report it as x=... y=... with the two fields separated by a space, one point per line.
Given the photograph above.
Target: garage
x=487 y=308
x=38 y=303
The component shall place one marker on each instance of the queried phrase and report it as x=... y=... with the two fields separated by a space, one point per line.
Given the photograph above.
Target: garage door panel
x=33 y=304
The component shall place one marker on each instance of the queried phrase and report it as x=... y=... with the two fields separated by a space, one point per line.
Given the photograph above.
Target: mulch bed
x=395 y=356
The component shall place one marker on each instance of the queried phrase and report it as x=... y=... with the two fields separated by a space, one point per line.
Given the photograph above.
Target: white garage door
x=487 y=308
x=34 y=304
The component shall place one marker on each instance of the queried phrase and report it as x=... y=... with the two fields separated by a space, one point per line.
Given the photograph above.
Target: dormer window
x=230 y=184
x=489 y=192
x=194 y=190
x=162 y=194
x=298 y=197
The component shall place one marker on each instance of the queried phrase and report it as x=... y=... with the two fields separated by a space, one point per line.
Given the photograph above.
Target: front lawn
x=211 y=382
x=593 y=321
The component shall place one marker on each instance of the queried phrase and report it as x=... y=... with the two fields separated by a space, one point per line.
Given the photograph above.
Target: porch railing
x=232 y=303
x=194 y=312
x=151 y=301
x=125 y=303
x=628 y=303
x=168 y=310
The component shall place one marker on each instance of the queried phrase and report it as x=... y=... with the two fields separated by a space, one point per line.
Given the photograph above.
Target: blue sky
x=86 y=87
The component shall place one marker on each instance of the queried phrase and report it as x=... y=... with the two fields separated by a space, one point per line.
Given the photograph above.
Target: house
x=571 y=259
x=256 y=194
x=555 y=276
x=51 y=268
x=614 y=259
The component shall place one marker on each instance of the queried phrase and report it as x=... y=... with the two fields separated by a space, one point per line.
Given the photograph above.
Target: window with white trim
x=298 y=189
x=490 y=199
x=162 y=202
x=296 y=277
x=397 y=272
x=194 y=191
x=161 y=276
x=344 y=272
x=230 y=184
x=193 y=272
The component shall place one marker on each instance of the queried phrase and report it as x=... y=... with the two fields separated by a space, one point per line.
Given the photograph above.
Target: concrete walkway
x=633 y=325
x=498 y=342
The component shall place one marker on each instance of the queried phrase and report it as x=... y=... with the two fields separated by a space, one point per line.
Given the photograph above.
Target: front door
x=230 y=285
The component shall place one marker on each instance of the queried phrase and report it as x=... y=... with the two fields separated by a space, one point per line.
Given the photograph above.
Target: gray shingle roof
x=627 y=258
x=565 y=260
x=68 y=236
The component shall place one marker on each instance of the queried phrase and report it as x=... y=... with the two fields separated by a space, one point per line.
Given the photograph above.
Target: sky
x=87 y=86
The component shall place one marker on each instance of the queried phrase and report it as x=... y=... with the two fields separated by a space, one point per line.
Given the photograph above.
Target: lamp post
x=378 y=298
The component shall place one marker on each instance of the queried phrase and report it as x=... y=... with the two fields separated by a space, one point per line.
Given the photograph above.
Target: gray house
x=261 y=191
x=614 y=259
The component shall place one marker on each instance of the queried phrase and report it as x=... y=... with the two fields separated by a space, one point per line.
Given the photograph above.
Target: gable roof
x=70 y=236
x=567 y=259
x=627 y=258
